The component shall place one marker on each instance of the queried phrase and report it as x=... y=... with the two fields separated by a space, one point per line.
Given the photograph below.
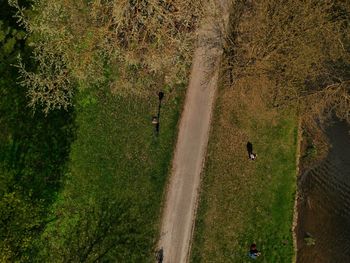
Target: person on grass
x=251 y=154
x=253 y=252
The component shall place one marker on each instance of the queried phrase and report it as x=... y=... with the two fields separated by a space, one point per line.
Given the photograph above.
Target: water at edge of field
x=324 y=206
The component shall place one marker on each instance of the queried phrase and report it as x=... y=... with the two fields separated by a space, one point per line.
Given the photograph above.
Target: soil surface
x=323 y=230
x=182 y=192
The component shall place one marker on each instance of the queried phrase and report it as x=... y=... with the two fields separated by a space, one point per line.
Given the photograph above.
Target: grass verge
x=244 y=201
x=109 y=207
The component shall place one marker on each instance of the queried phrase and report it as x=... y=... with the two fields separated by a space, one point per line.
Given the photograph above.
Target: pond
x=323 y=230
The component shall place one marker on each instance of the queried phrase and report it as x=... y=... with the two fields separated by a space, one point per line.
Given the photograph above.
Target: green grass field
x=244 y=201
x=110 y=203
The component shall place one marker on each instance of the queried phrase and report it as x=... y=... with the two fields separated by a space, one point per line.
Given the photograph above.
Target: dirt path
x=182 y=195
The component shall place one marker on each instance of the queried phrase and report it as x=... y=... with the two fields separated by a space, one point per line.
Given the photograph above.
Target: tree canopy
x=74 y=42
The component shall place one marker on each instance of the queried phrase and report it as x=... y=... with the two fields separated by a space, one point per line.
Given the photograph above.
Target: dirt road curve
x=182 y=193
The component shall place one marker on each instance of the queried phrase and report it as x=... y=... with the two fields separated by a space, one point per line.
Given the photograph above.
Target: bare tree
x=303 y=46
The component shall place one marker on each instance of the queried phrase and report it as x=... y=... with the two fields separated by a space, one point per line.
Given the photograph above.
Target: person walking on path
x=160 y=255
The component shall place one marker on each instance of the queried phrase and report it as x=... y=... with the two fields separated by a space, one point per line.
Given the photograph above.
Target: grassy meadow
x=110 y=203
x=244 y=201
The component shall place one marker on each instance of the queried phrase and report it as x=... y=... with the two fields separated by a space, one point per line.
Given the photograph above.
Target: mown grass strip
x=244 y=201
